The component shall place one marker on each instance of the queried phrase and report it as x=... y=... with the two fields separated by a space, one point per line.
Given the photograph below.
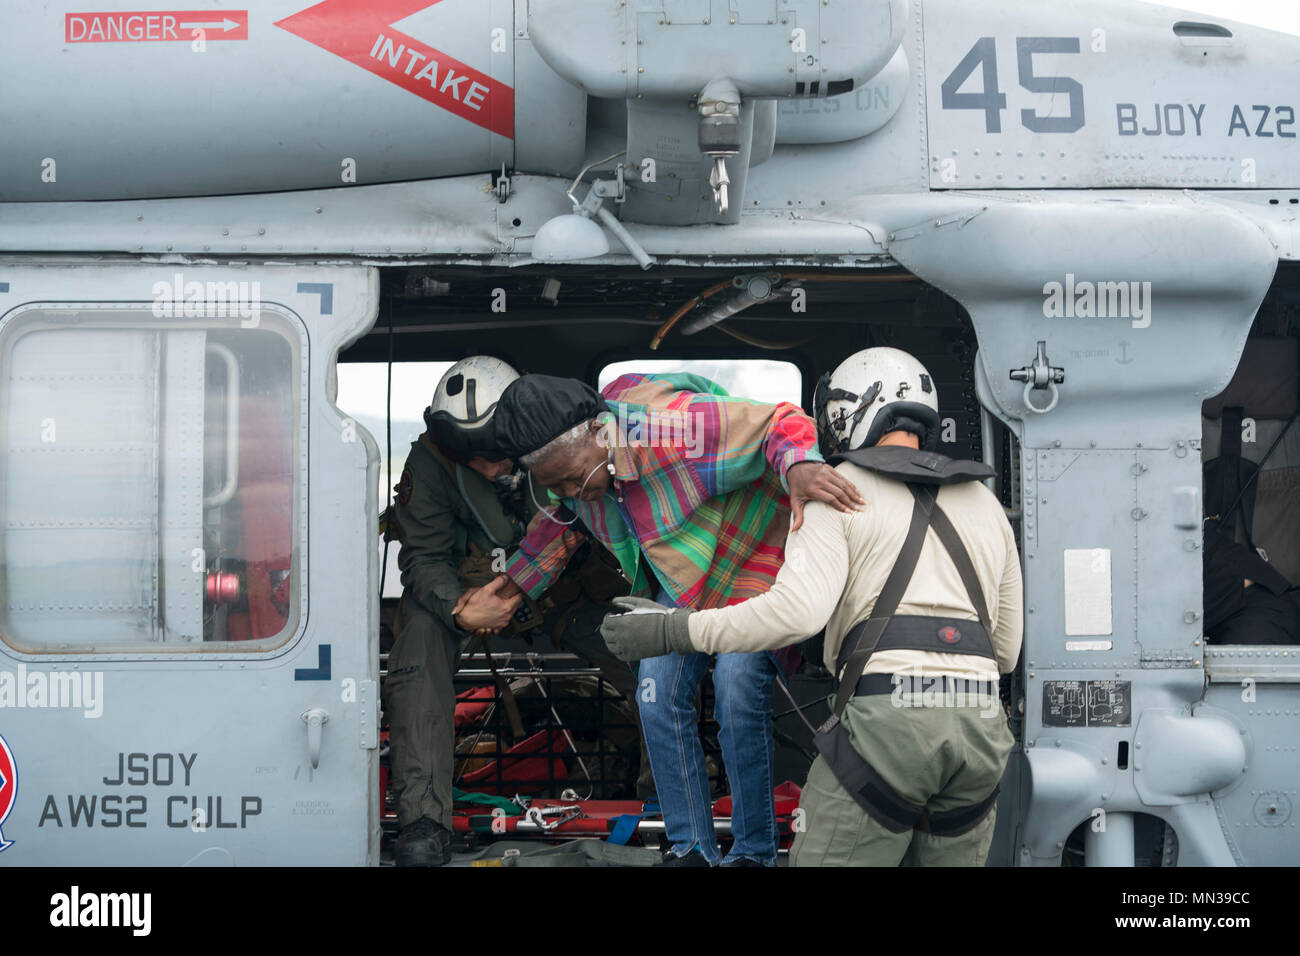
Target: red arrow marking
x=359 y=31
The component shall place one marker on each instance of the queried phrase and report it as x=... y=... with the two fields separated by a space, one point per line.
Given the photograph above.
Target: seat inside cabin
x=1266 y=390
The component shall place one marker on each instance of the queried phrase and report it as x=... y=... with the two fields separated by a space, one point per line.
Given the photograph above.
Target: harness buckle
x=829 y=724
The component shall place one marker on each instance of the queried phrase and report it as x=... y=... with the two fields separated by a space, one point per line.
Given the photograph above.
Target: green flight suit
x=939 y=757
x=443 y=509
x=440 y=516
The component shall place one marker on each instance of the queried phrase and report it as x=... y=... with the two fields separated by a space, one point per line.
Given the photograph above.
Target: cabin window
x=762 y=380
x=362 y=396
x=151 y=480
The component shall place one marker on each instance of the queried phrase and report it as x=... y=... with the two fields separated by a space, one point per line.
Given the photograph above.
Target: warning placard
x=155 y=26
x=1087 y=703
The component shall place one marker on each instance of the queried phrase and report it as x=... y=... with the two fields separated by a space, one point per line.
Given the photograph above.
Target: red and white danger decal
x=155 y=26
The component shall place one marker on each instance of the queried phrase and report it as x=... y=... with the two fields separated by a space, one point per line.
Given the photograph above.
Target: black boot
x=423 y=843
x=692 y=859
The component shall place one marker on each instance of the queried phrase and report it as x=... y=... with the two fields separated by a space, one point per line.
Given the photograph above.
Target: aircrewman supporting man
x=457 y=504
x=921 y=598
x=674 y=476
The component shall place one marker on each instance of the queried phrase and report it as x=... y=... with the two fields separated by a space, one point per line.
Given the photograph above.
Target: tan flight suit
x=935 y=753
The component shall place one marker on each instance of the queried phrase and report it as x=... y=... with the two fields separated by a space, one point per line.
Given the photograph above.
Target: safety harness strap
x=867 y=787
x=959 y=821
x=869 y=631
x=961 y=557
x=882 y=802
x=924 y=632
x=865 y=636
x=507 y=696
x=625 y=824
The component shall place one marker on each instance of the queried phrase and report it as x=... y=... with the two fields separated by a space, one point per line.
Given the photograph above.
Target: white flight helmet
x=873 y=392
x=460 y=415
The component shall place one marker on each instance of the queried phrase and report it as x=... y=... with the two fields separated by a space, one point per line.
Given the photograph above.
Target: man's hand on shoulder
x=818 y=481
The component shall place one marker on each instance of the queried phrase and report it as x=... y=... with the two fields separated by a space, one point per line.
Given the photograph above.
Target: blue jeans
x=742 y=685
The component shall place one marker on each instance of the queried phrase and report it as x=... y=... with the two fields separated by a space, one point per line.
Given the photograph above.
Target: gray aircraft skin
x=187 y=205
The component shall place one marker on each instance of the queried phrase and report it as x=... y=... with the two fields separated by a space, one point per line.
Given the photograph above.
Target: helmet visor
x=834 y=431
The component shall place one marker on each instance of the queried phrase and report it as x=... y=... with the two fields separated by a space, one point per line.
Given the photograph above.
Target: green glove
x=646 y=629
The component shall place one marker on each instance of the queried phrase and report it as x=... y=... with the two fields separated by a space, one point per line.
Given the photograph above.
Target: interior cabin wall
x=1266 y=387
x=600 y=318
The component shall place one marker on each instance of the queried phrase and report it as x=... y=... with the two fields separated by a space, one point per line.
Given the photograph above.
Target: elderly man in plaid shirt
x=673 y=475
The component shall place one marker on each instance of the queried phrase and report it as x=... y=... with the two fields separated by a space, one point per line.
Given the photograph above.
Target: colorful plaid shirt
x=699 y=488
